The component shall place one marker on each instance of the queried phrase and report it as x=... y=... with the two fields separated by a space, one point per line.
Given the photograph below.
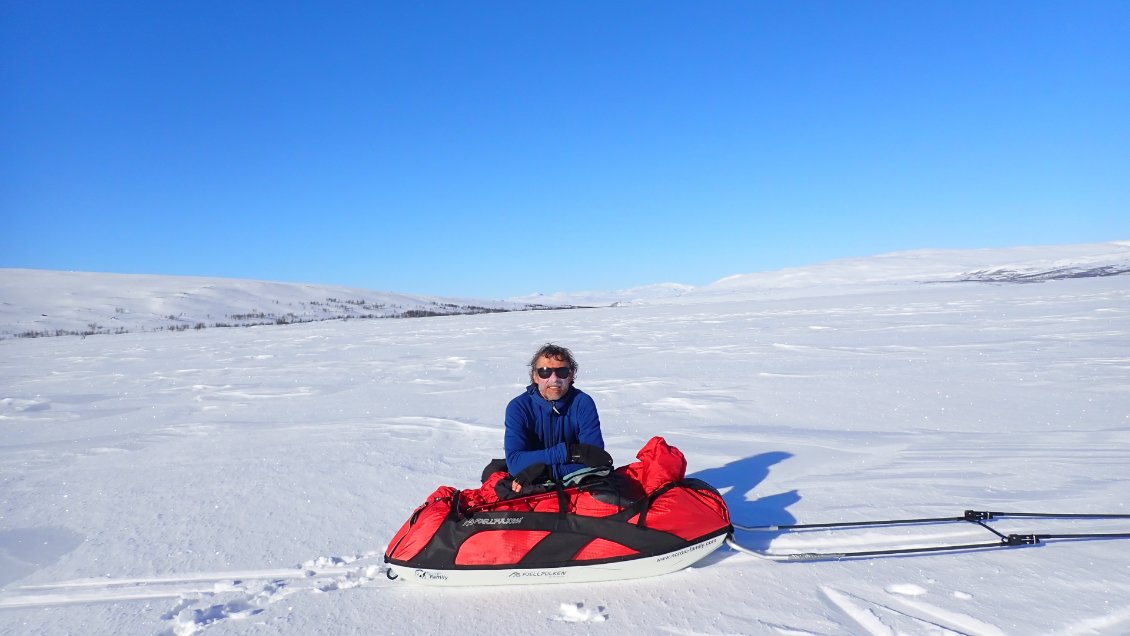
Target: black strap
x=562 y=499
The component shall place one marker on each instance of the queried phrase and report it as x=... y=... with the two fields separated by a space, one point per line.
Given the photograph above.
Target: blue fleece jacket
x=538 y=430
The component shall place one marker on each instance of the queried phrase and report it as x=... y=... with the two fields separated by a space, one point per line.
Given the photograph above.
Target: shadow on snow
x=738 y=480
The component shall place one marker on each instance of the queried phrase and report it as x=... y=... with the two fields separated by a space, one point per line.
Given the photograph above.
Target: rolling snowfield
x=44 y=303
x=247 y=480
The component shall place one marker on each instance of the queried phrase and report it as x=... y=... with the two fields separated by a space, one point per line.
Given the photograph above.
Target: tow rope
x=976 y=517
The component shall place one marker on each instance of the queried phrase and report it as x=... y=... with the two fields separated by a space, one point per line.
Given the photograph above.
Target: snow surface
x=246 y=481
x=617 y=297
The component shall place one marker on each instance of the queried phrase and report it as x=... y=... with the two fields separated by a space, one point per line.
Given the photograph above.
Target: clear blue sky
x=490 y=149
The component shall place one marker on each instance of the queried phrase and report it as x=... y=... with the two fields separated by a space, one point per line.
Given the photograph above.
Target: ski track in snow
x=1116 y=622
x=963 y=623
x=864 y=617
x=880 y=619
x=785 y=630
x=204 y=599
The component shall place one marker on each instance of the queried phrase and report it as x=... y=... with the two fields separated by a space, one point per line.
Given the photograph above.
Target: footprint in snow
x=188 y=620
x=235 y=599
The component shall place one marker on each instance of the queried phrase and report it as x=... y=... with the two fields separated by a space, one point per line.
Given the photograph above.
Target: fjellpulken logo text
x=492 y=521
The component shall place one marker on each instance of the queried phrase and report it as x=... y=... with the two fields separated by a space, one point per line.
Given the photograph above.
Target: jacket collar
x=562 y=404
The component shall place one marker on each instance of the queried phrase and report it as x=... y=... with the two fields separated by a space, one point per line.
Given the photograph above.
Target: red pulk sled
x=644 y=519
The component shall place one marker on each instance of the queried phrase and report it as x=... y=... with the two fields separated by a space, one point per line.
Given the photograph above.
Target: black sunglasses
x=562 y=372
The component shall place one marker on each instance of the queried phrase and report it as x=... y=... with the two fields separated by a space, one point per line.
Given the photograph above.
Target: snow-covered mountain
x=1016 y=264
x=37 y=303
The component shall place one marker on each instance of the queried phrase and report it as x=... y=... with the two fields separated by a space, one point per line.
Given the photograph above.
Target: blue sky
x=491 y=149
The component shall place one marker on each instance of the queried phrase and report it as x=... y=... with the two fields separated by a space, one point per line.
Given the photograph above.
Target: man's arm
x=588 y=421
x=520 y=444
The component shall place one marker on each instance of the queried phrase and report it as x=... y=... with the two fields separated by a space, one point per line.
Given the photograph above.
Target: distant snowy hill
x=1016 y=264
x=606 y=298
x=36 y=303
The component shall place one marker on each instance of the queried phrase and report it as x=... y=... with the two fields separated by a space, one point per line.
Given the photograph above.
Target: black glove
x=495 y=466
x=589 y=455
x=532 y=479
x=532 y=474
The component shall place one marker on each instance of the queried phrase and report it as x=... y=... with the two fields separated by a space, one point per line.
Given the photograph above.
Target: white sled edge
x=630 y=569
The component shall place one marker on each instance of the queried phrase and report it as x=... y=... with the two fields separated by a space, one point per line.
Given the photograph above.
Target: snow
x=617 y=297
x=939 y=266
x=45 y=302
x=246 y=481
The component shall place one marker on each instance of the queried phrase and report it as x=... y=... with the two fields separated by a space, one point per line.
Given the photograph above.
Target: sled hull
x=657 y=565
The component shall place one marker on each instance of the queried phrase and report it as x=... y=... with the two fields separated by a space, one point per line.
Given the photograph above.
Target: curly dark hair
x=557 y=352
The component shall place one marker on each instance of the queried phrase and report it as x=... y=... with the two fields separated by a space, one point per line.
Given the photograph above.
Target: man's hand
x=531 y=474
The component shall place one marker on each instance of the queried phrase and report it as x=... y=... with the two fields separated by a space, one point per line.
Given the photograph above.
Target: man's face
x=553 y=387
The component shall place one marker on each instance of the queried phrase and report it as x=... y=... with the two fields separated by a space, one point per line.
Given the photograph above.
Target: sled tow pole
x=976 y=517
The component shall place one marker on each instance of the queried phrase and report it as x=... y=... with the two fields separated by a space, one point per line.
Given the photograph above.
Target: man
x=552 y=429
